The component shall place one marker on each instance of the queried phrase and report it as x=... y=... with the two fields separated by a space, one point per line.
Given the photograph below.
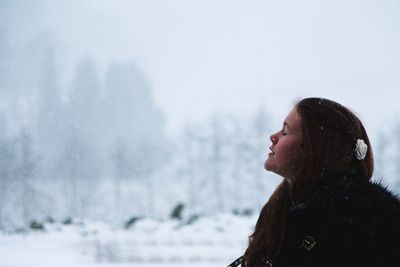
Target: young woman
x=326 y=211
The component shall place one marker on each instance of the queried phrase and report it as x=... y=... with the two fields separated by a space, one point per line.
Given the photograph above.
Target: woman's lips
x=272 y=152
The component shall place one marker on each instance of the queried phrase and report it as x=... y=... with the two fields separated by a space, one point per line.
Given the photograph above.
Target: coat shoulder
x=370 y=204
x=347 y=221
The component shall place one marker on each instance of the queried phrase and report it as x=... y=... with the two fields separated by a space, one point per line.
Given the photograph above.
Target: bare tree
x=25 y=174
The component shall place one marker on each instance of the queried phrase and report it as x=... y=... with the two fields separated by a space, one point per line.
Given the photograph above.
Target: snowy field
x=209 y=241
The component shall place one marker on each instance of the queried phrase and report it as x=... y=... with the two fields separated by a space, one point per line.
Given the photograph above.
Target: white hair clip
x=361 y=149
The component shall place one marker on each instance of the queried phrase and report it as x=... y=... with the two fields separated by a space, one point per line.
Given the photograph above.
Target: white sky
x=235 y=56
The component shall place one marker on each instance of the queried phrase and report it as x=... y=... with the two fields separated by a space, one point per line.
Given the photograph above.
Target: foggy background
x=116 y=110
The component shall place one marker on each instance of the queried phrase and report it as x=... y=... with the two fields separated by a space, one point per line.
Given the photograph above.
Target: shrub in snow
x=37 y=226
x=128 y=224
x=193 y=218
x=243 y=212
x=67 y=221
x=177 y=211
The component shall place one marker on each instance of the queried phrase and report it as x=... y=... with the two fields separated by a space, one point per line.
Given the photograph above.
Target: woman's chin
x=267 y=165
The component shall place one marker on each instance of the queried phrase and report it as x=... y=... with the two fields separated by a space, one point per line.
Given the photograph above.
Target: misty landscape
x=89 y=163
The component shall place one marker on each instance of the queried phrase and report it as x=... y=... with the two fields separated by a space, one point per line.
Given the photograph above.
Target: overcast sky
x=234 y=56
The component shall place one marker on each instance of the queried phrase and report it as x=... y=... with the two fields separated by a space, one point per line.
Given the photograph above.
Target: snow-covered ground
x=209 y=241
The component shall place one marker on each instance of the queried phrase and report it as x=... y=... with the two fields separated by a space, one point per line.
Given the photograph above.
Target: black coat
x=345 y=222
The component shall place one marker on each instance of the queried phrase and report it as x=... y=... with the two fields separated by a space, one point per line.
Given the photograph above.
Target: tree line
x=93 y=146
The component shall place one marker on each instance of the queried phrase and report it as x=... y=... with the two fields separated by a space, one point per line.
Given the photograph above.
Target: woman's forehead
x=293 y=119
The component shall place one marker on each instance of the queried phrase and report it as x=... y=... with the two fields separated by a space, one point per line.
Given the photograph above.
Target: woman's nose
x=273 y=138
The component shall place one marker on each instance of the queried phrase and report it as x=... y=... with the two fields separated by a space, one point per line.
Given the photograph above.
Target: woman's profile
x=326 y=211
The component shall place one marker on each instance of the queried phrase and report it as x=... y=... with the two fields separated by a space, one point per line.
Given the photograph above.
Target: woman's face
x=286 y=152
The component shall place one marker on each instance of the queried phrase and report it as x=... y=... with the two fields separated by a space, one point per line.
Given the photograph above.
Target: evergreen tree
x=8 y=165
x=25 y=175
x=131 y=115
x=78 y=164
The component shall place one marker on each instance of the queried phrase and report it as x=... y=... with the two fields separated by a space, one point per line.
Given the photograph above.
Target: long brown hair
x=330 y=132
